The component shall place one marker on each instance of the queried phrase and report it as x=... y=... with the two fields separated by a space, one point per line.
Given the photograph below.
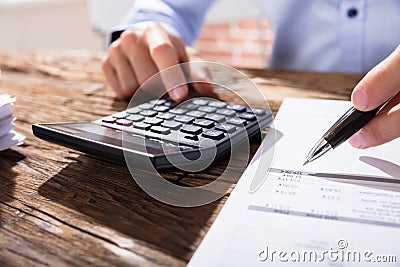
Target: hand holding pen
x=380 y=84
x=375 y=117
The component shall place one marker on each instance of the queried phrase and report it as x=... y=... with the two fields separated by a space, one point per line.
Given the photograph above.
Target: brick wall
x=243 y=43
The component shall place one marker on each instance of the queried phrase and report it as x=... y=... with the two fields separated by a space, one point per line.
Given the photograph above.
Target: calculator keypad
x=187 y=123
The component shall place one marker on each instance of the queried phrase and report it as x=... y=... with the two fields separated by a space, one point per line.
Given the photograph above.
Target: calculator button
x=256 y=111
x=228 y=128
x=191 y=129
x=146 y=106
x=215 y=117
x=141 y=125
x=195 y=113
x=135 y=118
x=226 y=112
x=178 y=111
x=259 y=112
x=158 y=101
x=237 y=108
x=207 y=109
x=166 y=116
x=109 y=120
x=161 y=108
x=160 y=130
x=191 y=106
x=248 y=116
x=124 y=122
x=237 y=122
x=200 y=102
x=204 y=123
x=217 y=104
x=174 y=125
x=153 y=121
x=134 y=110
x=170 y=104
x=213 y=134
x=148 y=113
x=120 y=115
x=192 y=137
x=184 y=119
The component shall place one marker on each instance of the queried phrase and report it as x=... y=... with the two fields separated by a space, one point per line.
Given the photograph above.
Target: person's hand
x=138 y=55
x=381 y=83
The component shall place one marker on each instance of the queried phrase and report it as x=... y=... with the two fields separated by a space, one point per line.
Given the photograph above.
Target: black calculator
x=160 y=129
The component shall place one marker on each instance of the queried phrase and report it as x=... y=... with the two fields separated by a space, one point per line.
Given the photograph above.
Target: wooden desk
x=60 y=207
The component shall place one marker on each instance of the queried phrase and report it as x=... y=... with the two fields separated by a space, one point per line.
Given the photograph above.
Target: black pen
x=352 y=121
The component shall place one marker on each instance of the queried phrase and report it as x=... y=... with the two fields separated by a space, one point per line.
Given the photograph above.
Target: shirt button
x=352 y=12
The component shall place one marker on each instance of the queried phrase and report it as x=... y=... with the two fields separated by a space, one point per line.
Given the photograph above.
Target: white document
x=341 y=210
x=8 y=137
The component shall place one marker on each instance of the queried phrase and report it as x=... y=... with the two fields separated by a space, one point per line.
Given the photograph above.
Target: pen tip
x=305 y=163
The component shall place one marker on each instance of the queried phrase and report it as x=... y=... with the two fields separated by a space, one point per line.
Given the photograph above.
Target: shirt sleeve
x=181 y=17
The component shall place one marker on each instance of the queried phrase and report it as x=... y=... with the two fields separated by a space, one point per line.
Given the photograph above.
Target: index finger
x=379 y=84
x=164 y=54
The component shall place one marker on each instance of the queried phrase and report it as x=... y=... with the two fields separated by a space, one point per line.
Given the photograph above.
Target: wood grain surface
x=60 y=207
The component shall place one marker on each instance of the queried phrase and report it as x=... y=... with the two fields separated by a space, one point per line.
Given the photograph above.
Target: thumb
x=379 y=84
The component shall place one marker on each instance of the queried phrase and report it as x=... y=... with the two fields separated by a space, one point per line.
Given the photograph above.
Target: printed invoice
x=341 y=210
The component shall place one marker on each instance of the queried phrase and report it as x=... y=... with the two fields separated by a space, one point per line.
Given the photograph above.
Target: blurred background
x=235 y=32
